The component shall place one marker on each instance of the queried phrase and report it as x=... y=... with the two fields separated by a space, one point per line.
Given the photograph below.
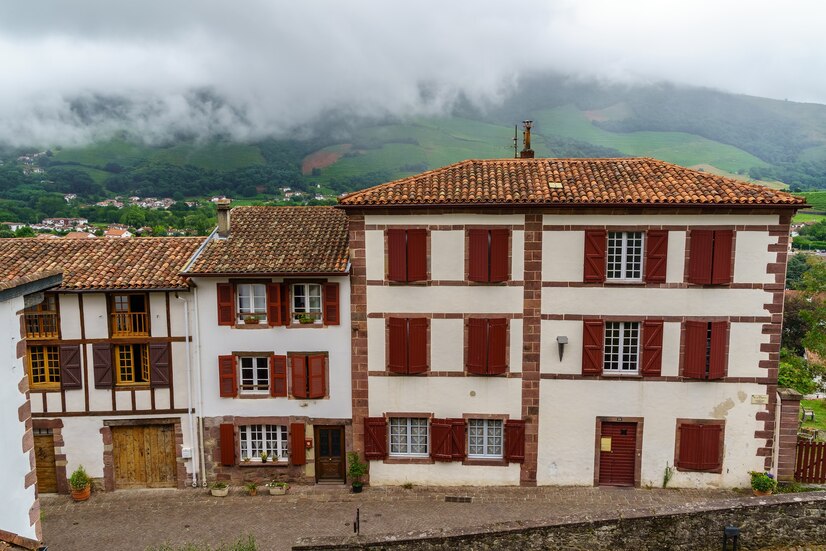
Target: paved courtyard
x=132 y=520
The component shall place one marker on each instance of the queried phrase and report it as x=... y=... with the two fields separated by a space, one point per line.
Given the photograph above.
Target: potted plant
x=219 y=489
x=264 y=456
x=246 y=459
x=251 y=320
x=251 y=488
x=277 y=488
x=356 y=470
x=81 y=484
x=306 y=319
x=762 y=484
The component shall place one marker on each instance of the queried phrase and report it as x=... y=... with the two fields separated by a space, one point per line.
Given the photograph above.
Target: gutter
x=194 y=443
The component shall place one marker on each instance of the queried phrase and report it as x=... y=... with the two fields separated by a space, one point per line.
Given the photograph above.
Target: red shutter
x=652 y=348
x=298 y=371
x=457 y=436
x=417 y=345
x=396 y=255
x=226 y=304
x=441 y=443
x=595 y=241
x=397 y=347
x=689 y=455
x=375 y=438
x=274 y=309
x=71 y=374
x=719 y=342
x=298 y=453
x=721 y=265
x=656 y=256
x=331 y=307
x=227 y=376
x=278 y=376
x=593 y=335
x=696 y=335
x=497 y=346
x=478 y=266
x=317 y=375
x=711 y=437
x=227 y=444
x=416 y=255
x=515 y=440
x=476 y=361
x=700 y=256
x=285 y=304
x=499 y=258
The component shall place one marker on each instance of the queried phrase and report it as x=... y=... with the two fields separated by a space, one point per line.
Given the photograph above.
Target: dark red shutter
x=102 y=361
x=278 y=376
x=656 y=256
x=226 y=304
x=457 y=436
x=227 y=377
x=440 y=440
x=711 y=438
x=477 y=342
x=721 y=265
x=397 y=348
x=652 y=348
x=700 y=256
x=298 y=372
x=595 y=242
x=227 y=444
x=478 y=267
x=416 y=255
x=417 y=345
x=332 y=311
x=159 y=371
x=71 y=374
x=696 y=335
x=317 y=376
x=396 y=255
x=499 y=258
x=298 y=453
x=375 y=438
x=717 y=357
x=285 y=304
x=515 y=440
x=593 y=335
x=690 y=455
x=497 y=346
x=274 y=307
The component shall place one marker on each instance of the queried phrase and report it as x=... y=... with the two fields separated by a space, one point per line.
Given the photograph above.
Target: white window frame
x=307 y=308
x=489 y=444
x=252 y=292
x=624 y=332
x=401 y=428
x=273 y=440
x=623 y=256
x=256 y=381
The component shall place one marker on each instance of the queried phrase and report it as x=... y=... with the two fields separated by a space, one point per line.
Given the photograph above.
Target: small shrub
x=763 y=482
x=668 y=473
x=218 y=485
x=79 y=479
x=407 y=485
x=357 y=468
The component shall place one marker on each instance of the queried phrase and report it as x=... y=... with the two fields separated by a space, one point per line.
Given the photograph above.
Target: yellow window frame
x=44 y=366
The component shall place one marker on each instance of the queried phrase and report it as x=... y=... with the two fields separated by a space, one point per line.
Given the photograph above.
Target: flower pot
x=357 y=488
x=219 y=492
x=251 y=321
x=82 y=495
x=252 y=492
x=761 y=492
x=278 y=490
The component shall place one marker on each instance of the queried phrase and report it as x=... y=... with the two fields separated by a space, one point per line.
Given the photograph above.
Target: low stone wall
x=781 y=520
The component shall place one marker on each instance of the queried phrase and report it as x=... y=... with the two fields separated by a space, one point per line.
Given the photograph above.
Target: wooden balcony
x=42 y=325
x=130 y=324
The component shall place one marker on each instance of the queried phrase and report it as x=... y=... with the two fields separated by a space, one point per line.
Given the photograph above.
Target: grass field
x=819 y=407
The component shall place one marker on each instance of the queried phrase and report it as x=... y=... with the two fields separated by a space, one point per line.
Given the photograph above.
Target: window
x=488 y=255
x=487 y=346
x=309 y=375
x=622 y=347
x=129 y=315
x=42 y=320
x=271 y=439
x=44 y=366
x=485 y=438
x=406 y=255
x=709 y=260
x=624 y=255
x=278 y=304
x=307 y=302
x=699 y=445
x=408 y=436
x=705 y=349
x=252 y=300
x=132 y=364
x=255 y=374
x=407 y=350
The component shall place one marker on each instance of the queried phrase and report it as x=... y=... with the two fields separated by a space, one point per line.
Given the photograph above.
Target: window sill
x=399 y=460
x=717 y=470
x=252 y=326
x=489 y=462
x=258 y=464
x=135 y=386
x=638 y=282
x=635 y=375
x=49 y=388
x=305 y=326
x=254 y=396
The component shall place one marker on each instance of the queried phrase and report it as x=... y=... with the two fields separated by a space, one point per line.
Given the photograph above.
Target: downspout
x=194 y=443
x=200 y=390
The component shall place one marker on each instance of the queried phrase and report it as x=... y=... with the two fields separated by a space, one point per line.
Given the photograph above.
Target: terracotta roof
x=140 y=263
x=567 y=182
x=278 y=240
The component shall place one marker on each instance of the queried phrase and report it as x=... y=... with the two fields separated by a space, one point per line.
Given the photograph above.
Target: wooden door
x=45 y=462
x=617 y=454
x=329 y=453
x=144 y=456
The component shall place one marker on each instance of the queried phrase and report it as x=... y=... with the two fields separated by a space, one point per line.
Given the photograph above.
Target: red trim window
x=406 y=255
x=709 y=260
x=622 y=347
x=706 y=353
x=488 y=255
x=625 y=250
x=487 y=350
x=700 y=445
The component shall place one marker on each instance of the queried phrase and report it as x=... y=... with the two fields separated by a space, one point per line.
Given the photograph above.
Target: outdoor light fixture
x=731 y=534
x=561 y=341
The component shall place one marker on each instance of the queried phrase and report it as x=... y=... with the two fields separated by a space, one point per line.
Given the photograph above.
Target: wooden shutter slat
x=595 y=244
x=652 y=348
x=226 y=304
x=332 y=310
x=710 y=447
x=457 y=435
x=298 y=453
x=690 y=445
x=499 y=258
x=274 y=307
x=102 y=361
x=440 y=440
x=278 y=376
x=497 y=346
x=227 y=377
x=717 y=356
x=375 y=438
x=700 y=256
x=159 y=364
x=476 y=361
x=396 y=255
x=656 y=256
x=285 y=304
x=298 y=373
x=71 y=374
x=397 y=345
x=417 y=345
x=593 y=335
x=416 y=255
x=478 y=259
x=721 y=263
x=515 y=440
x=694 y=366
x=227 y=444
x=317 y=376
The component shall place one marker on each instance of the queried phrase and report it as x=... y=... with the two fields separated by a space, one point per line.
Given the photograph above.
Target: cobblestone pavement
x=129 y=520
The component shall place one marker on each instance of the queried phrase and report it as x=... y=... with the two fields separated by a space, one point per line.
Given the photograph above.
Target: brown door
x=617 y=454
x=144 y=456
x=329 y=454
x=45 y=462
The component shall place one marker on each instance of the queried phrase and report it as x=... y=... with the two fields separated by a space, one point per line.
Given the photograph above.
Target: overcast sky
x=278 y=63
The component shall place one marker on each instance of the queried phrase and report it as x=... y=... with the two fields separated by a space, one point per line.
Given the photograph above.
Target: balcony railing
x=129 y=324
x=42 y=325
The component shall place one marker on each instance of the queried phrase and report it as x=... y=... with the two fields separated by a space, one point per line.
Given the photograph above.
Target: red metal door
x=618 y=454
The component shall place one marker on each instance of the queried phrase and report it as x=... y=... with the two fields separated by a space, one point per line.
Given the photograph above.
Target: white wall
x=660 y=219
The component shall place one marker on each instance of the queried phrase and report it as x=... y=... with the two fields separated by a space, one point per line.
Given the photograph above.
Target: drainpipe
x=200 y=389
x=194 y=444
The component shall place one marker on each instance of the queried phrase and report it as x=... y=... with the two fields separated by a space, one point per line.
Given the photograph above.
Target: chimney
x=527 y=152
x=223 y=217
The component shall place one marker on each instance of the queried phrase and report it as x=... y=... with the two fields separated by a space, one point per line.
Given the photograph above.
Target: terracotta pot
x=252 y=492
x=219 y=492
x=278 y=490
x=82 y=495
x=761 y=492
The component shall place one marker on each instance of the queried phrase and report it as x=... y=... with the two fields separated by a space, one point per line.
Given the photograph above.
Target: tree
x=795 y=326
x=796 y=268
x=797 y=373
x=133 y=216
x=24 y=231
x=813 y=284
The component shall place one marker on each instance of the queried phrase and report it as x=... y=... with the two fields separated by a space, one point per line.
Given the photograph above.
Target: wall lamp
x=561 y=341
